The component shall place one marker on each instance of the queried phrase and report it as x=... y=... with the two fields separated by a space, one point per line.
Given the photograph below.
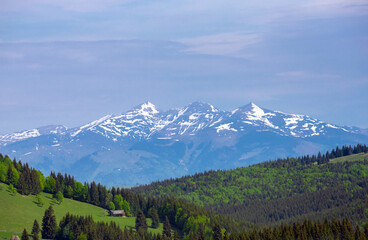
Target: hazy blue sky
x=72 y=61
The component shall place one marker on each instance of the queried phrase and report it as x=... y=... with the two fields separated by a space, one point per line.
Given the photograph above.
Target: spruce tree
x=49 y=224
x=140 y=222
x=166 y=233
x=35 y=230
x=25 y=235
x=155 y=218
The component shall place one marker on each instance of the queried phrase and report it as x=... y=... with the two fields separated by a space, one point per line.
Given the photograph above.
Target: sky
x=73 y=61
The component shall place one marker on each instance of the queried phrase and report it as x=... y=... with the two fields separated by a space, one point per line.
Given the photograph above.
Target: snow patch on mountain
x=32 y=133
x=225 y=127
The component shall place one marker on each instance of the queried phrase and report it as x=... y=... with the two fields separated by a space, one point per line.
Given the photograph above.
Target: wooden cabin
x=117 y=213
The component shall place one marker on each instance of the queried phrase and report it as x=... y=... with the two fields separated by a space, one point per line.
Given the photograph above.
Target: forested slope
x=334 y=184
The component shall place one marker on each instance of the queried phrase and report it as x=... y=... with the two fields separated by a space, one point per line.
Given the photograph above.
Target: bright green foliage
x=111 y=206
x=122 y=204
x=39 y=200
x=11 y=189
x=118 y=202
x=50 y=185
x=59 y=197
x=3 y=171
x=82 y=236
x=12 y=175
x=80 y=191
x=126 y=207
x=42 y=179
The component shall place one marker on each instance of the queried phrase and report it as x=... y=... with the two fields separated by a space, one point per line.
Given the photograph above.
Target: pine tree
x=35 y=230
x=155 y=218
x=25 y=235
x=49 y=224
x=166 y=233
x=140 y=222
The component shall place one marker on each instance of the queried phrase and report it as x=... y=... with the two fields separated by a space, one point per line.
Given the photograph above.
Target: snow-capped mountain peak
x=146 y=109
x=145 y=121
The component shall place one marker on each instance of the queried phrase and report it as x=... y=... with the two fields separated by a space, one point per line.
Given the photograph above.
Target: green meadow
x=18 y=212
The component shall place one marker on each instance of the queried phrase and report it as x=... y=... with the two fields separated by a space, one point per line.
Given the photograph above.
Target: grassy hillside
x=278 y=191
x=351 y=158
x=18 y=212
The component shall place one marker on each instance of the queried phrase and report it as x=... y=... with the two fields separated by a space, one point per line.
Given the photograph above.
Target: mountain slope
x=146 y=144
x=279 y=191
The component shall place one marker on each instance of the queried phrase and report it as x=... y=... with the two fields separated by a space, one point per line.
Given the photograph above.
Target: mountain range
x=146 y=144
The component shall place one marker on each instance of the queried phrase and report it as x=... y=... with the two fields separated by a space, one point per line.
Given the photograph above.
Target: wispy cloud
x=69 y=5
x=225 y=44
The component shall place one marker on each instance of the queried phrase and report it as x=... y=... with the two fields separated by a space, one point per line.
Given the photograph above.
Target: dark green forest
x=312 y=197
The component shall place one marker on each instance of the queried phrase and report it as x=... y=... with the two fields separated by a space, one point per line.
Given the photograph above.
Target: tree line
x=73 y=227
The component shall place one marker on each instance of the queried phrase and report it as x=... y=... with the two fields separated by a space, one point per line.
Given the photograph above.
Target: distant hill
x=146 y=144
x=287 y=190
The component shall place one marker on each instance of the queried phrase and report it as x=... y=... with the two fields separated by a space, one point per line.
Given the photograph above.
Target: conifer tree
x=155 y=218
x=140 y=222
x=25 y=235
x=166 y=233
x=49 y=224
x=35 y=230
